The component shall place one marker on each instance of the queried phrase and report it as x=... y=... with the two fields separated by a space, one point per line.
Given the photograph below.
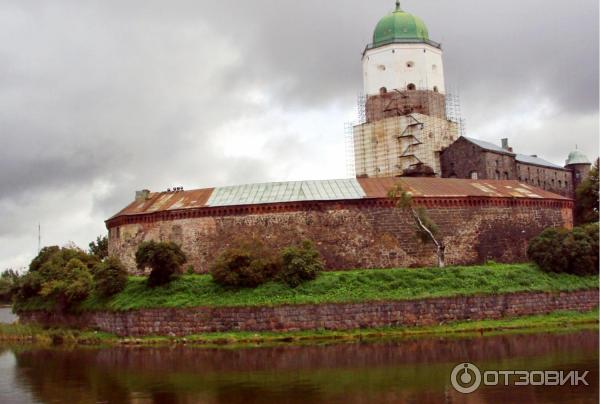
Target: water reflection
x=400 y=371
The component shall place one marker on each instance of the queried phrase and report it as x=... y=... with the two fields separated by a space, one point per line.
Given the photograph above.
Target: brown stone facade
x=343 y=316
x=463 y=159
x=350 y=234
x=399 y=103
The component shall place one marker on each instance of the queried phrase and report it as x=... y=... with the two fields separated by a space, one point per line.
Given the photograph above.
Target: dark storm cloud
x=99 y=98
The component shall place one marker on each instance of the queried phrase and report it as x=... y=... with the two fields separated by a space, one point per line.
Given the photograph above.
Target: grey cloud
x=129 y=94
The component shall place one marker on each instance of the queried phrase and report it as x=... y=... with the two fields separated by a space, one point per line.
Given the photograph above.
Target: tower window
x=381 y=67
x=411 y=86
x=434 y=67
x=474 y=175
x=410 y=64
x=435 y=89
x=382 y=90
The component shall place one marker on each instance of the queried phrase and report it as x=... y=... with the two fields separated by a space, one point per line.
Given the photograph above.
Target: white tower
x=405 y=126
x=402 y=57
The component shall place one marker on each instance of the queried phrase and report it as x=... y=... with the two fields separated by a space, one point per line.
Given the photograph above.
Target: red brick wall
x=353 y=234
x=345 y=316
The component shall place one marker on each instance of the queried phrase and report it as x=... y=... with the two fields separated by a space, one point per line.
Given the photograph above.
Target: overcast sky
x=100 y=98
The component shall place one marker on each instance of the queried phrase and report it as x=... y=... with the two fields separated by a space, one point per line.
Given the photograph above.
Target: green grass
x=346 y=286
x=338 y=287
x=564 y=321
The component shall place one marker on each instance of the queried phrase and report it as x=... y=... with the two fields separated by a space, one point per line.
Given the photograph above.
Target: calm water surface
x=413 y=371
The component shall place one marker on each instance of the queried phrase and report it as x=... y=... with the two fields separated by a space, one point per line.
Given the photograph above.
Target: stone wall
x=181 y=322
x=352 y=234
x=397 y=103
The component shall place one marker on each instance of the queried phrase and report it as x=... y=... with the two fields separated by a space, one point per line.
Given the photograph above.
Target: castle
x=487 y=201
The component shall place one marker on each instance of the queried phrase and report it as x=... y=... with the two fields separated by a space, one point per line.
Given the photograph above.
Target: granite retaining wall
x=339 y=316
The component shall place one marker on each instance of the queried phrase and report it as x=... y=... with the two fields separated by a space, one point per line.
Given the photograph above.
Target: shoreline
x=556 y=322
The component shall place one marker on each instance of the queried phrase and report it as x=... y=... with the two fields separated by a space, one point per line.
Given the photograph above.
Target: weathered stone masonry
x=350 y=234
x=345 y=316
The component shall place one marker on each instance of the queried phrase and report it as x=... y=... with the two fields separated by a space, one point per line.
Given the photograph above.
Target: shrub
x=71 y=284
x=164 y=258
x=300 y=263
x=61 y=276
x=110 y=277
x=245 y=264
x=561 y=250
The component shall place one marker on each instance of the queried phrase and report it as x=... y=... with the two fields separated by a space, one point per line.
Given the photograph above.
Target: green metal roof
x=400 y=26
x=286 y=192
x=577 y=157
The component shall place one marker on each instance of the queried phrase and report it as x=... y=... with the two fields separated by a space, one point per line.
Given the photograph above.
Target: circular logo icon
x=465 y=378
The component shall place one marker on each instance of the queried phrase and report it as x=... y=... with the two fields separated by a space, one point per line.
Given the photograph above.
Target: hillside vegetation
x=338 y=287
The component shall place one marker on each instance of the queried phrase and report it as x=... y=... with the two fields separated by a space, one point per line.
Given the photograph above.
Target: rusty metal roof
x=454 y=187
x=295 y=191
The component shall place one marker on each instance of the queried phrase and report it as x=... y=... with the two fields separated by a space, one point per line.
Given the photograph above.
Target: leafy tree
x=300 y=263
x=164 y=258
x=69 y=284
x=9 y=280
x=43 y=256
x=586 y=198
x=99 y=248
x=426 y=229
x=561 y=250
x=110 y=277
x=247 y=263
x=58 y=275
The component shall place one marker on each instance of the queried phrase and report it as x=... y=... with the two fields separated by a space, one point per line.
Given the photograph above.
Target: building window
x=559 y=183
x=497 y=175
x=411 y=86
x=497 y=163
x=381 y=67
x=474 y=175
x=435 y=89
x=505 y=175
x=566 y=184
x=410 y=64
x=434 y=67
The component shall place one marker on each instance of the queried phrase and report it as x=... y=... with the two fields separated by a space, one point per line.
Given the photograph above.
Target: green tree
x=586 y=198
x=163 y=258
x=110 y=277
x=99 y=248
x=69 y=284
x=426 y=229
x=300 y=264
x=9 y=281
x=61 y=276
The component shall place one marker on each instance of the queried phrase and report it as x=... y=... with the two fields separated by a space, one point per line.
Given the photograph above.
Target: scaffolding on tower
x=402 y=138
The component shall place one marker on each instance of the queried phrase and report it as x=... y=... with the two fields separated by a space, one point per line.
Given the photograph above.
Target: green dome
x=577 y=157
x=399 y=26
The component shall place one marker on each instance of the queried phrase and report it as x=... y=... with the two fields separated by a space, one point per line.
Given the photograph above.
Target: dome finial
x=398 y=5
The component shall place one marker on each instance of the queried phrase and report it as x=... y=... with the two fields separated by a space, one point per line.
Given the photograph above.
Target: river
x=413 y=371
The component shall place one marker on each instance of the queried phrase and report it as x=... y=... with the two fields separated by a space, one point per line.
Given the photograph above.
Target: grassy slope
x=347 y=286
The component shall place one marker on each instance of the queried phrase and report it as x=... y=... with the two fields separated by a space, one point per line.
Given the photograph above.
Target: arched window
x=505 y=175
x=474 y=175
x=435 y=89
x=497 y=175
x=411 y=86
x=382 y=90
x=410 y=64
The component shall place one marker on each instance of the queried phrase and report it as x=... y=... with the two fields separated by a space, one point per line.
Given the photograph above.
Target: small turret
x=579 y=165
